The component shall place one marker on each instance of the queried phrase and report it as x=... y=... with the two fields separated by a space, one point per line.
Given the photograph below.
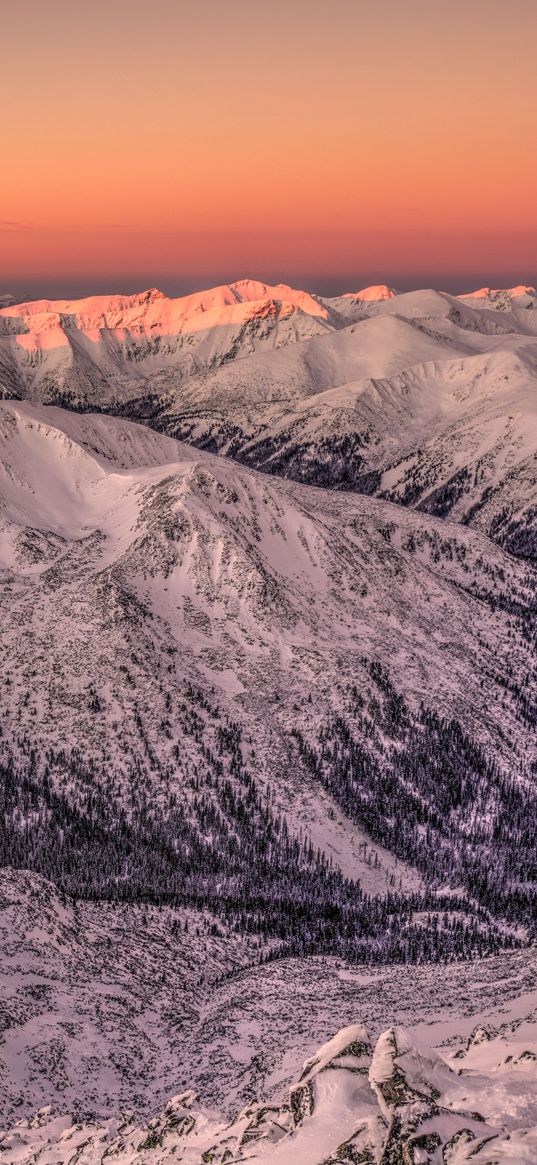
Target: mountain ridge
x=246 y=650
x=251 y=371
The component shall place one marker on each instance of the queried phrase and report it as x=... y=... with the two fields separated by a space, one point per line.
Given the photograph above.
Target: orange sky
x=194 y=141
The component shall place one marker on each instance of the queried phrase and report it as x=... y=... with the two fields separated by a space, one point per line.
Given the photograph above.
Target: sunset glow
x=179 y=141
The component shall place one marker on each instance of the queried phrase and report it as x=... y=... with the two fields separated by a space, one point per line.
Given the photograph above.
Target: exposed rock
x=411 y=1086
x=406 y=1111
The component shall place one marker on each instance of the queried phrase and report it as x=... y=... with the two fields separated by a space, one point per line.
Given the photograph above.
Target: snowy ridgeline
x=425 y=398
x=393 y=1104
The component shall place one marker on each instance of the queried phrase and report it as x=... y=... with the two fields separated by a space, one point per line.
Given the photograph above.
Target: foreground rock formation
x=399 y=1104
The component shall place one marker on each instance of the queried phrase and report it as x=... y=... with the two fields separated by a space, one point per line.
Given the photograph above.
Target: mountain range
x=424 y=398
x=269 y=703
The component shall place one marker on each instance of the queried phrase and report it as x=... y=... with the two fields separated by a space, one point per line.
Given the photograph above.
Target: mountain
x=423 y=397
x=215 y=684
x=504 y=297
x=107 y=1015
x=106 y=347
x=428 y=401
x=267 y=737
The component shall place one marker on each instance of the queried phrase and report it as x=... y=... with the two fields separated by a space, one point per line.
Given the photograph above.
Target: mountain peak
x=373 y=294
x=498 y=292
x=152 y=295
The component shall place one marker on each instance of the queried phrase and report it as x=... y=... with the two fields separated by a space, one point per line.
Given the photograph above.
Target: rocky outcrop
x=397 y=1105
x=350 y=1051
x=412 y=1088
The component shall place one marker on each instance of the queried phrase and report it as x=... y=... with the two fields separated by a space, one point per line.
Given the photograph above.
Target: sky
x=325 y=144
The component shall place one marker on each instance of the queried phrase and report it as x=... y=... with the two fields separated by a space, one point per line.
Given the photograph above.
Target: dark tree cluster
x=335 y=462
x=418 y=785
x=228 y=852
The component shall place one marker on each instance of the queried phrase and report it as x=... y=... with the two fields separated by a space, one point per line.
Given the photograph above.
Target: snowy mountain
x=423 y=397
x=250 y=671
x=105 y=348
x=267 y=740
x=105 y=1012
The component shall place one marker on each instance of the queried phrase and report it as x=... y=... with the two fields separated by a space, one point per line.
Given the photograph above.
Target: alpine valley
x=267 y=733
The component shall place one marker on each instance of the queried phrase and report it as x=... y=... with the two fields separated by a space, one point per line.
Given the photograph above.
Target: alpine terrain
x=267 y=735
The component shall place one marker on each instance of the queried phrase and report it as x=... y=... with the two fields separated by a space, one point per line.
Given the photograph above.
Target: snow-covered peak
x=502 y=299
x=251 y=290
x=492 y=292
x=154 y=312
x=377 y=292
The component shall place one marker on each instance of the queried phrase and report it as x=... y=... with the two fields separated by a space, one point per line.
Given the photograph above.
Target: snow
x=340 y=1049
x=491 y=292
x=267 y=591
x=46 y=324
x=267 y=595
x=349 y=1102
x=377 y=291
x=422 y=380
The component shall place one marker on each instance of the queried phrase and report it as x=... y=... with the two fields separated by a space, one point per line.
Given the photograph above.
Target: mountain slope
x=201 y=654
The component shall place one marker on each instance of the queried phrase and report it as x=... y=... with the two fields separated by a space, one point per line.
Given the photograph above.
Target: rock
x=350 y=1049
x=410 y=1085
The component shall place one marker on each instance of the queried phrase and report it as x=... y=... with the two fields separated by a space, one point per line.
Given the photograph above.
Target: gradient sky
x=329 y=144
